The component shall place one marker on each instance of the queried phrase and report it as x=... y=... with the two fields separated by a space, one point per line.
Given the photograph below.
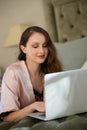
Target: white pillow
x=72 y=54
x=84 y=65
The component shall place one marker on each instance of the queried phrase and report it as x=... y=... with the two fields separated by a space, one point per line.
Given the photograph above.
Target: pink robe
x=17 y=91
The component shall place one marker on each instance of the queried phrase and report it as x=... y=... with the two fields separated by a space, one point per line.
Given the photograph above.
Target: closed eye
x=35 y=46
x=45 y=45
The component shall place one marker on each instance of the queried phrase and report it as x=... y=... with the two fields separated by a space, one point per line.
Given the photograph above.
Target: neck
x=33 y=69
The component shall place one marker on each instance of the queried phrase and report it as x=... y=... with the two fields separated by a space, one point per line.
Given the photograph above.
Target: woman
x=23 y=81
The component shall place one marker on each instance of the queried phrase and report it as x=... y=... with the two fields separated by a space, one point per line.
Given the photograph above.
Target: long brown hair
x=52 y=63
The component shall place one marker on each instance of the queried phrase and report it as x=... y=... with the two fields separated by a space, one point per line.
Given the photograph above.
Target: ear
x=23 y=48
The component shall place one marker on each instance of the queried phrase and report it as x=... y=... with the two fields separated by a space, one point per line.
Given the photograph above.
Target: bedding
x=75 y=122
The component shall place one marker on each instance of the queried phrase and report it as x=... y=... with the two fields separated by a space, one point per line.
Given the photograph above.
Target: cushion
x=84 y=65
x=73 y=53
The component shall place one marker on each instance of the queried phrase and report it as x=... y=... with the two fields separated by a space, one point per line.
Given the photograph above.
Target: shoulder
x=16 y=65
x=15 y=68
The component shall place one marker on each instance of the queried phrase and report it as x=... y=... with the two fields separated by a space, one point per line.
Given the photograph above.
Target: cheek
x=30 y=53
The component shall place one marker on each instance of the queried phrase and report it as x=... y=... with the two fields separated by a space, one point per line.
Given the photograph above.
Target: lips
x=41 y=56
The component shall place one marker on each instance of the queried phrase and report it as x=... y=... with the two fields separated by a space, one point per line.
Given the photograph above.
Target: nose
x=42 y=49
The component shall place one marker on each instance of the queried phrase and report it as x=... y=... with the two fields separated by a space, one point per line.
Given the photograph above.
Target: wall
x=13 y=12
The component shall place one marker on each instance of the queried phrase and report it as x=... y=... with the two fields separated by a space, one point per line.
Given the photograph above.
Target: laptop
x=65 y=94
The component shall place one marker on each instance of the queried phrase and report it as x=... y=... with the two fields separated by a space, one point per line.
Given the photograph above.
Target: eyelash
x=43 y=46
x=35 y=46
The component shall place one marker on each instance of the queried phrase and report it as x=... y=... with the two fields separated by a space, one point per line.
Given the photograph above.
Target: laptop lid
x=64 y=94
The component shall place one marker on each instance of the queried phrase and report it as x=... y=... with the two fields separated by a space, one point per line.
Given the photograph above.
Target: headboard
x=66 y=19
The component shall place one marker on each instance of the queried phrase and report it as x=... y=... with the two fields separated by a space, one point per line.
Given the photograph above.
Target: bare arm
x=19 y=114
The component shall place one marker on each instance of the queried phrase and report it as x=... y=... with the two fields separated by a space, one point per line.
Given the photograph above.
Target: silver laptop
x=65 y=93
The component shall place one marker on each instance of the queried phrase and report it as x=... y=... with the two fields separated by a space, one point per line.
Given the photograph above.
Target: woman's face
x=36 y=48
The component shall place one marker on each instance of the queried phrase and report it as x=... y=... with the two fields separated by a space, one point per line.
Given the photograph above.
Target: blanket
x=75 y=122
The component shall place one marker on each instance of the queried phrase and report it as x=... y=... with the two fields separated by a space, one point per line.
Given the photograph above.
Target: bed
x=66 y=21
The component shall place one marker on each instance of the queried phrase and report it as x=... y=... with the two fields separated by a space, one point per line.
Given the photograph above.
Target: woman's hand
x=39 y=106
x=20 y=114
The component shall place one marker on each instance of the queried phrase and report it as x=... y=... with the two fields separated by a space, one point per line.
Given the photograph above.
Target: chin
x=40 y=62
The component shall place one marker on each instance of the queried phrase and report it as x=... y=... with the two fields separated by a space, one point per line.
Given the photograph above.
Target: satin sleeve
x=10 y=91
